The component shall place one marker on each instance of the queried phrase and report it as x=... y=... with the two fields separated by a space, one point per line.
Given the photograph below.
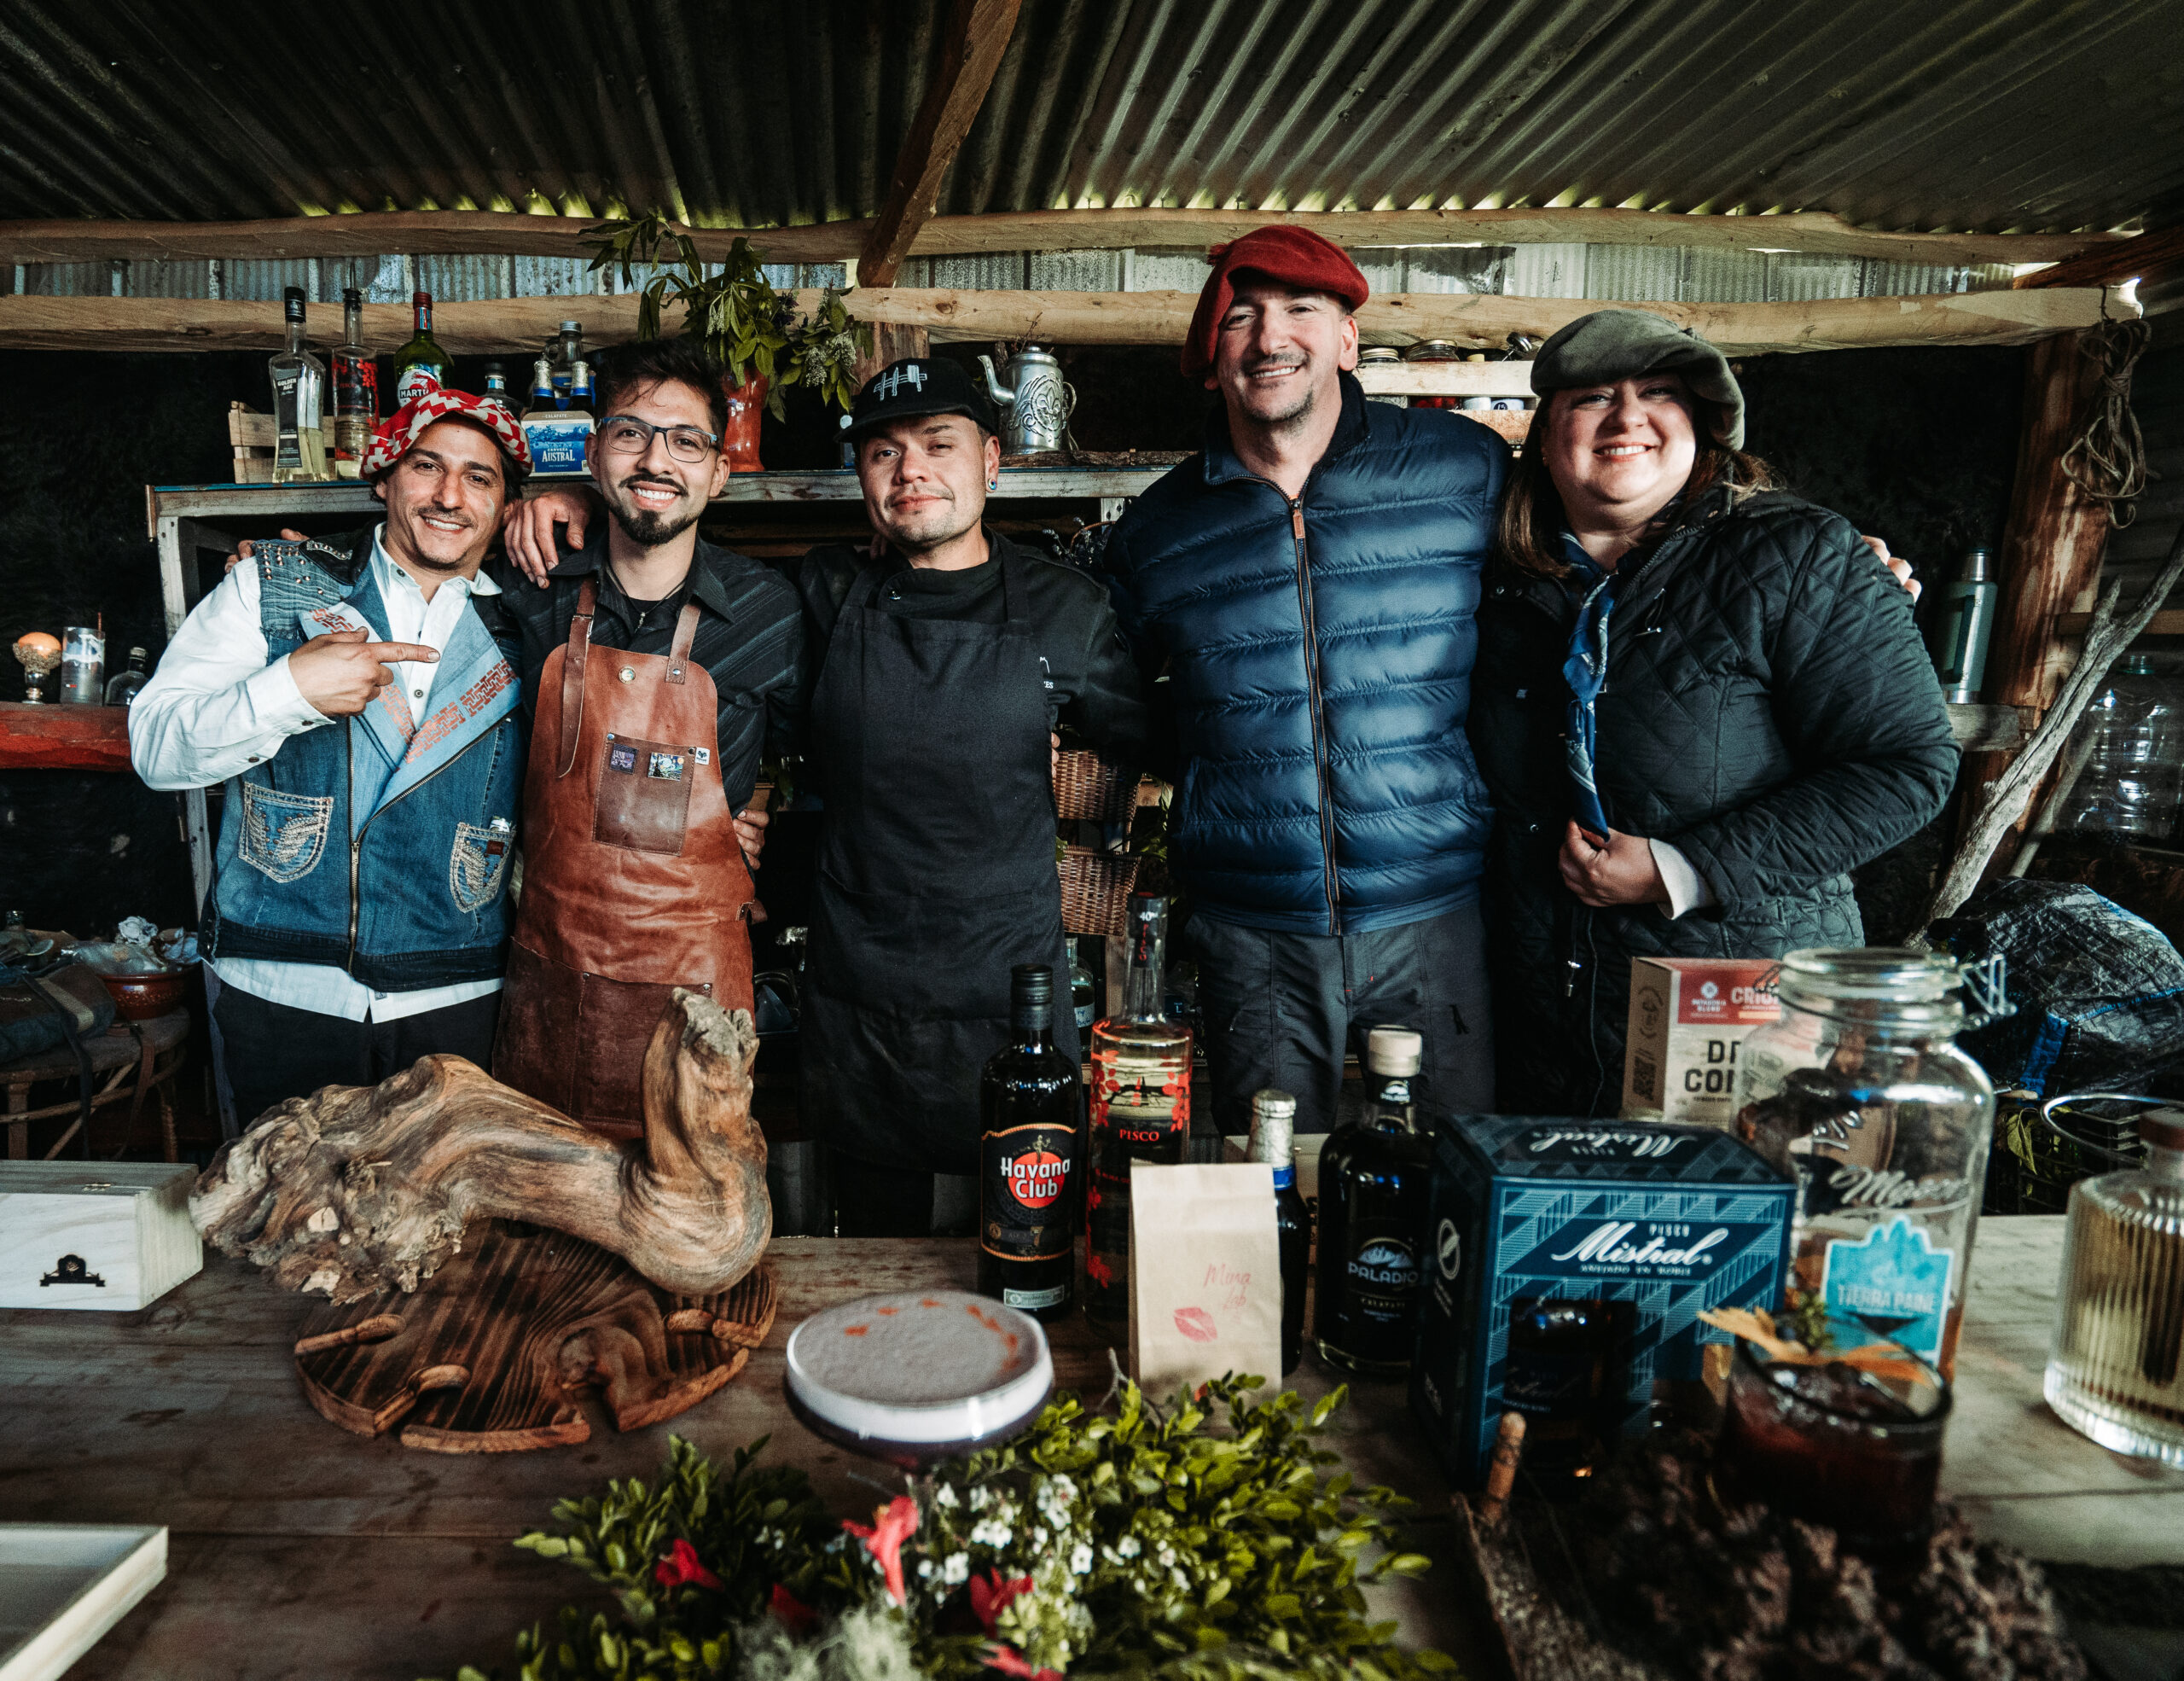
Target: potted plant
x=752 y=329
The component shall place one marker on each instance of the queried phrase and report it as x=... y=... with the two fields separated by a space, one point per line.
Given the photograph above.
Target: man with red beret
x=1306 y=583
x=363 y=716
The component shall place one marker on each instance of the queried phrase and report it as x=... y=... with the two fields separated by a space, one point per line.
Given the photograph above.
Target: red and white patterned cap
x=399 y=430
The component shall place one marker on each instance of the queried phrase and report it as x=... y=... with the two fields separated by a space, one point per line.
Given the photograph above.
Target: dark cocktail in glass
x=1858 y=1450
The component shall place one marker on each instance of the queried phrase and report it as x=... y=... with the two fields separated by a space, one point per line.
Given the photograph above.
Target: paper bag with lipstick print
x=1204 y=1275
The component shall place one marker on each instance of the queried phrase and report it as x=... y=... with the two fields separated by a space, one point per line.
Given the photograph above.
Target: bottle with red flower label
x=1140 y=1112
x=1028 y=1153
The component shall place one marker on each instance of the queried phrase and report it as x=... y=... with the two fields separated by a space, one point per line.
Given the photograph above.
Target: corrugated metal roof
x=1967 y=114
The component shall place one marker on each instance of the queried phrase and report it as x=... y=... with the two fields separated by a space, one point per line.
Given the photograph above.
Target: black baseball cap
x=921 y=385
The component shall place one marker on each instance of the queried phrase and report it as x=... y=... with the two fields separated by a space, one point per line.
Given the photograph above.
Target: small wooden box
x=110 y=1235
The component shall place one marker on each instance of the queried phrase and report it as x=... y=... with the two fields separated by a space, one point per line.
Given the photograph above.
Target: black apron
x=936 y=874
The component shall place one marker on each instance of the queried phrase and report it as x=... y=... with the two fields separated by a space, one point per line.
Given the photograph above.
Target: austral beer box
x=1688 y=1015
x=1627 y=1226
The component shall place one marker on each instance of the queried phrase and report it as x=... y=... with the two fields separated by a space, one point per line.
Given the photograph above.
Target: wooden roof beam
x=1475 y=322
x=495 y=234
x=978 y=35
x=2147 y=258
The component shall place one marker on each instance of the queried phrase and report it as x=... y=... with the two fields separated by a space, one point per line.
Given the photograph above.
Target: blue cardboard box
x=1649 y=1222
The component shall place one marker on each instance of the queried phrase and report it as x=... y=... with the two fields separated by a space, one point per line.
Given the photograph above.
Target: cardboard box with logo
x=1688 y=1018
x=1570 y=1261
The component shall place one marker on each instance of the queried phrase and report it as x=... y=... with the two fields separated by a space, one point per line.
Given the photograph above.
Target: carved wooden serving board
x=491 y=1353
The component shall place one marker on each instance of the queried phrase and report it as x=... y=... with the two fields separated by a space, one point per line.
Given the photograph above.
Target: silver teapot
x=1035 y=404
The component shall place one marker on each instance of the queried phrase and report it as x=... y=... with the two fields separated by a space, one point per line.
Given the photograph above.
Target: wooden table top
x=116 y=1048
x=299 y=1551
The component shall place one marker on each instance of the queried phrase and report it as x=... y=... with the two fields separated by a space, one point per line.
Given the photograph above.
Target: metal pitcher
x=1035 y=404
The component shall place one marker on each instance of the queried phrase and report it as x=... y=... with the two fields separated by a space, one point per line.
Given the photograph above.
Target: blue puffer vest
x=1319 y=660
x=379 y=845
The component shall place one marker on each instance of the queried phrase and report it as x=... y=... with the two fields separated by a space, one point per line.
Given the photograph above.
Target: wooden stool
x=152 y=1049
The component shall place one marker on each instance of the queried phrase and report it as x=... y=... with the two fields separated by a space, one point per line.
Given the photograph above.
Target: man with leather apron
x=645 y=651
x=941 y=665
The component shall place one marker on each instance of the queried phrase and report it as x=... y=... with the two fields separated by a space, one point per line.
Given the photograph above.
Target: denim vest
x=379 y=844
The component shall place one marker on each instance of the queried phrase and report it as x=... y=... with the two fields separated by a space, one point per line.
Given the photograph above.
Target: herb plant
x=1212 y=1539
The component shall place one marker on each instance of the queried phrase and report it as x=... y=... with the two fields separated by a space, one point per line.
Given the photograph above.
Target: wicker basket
x=1089 y=790
x=1095 y=889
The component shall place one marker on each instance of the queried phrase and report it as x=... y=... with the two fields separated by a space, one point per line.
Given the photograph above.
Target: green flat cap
x=1611 y=345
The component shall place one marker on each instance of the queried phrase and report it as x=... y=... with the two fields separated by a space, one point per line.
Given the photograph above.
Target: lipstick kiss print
x=1196 y=1324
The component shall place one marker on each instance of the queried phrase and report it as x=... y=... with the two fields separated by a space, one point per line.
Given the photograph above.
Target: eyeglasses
x=626 y=435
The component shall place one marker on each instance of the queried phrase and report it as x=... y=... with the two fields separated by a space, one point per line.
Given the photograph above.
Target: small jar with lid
x=2115 y=1368
x=1859 y=1092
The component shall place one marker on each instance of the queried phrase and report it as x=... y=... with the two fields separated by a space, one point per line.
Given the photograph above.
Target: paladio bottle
x=1273 y=1141
x=1374 y=1174
x=1027 y=1157
x=1140 y=1112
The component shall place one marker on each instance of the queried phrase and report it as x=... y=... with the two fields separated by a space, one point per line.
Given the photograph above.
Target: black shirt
x=1092 y=681
x=750 y=639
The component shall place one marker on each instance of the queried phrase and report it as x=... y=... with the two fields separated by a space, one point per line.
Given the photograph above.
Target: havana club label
x=1025 y=1208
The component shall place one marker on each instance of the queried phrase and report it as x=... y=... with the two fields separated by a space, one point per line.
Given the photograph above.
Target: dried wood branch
x=360 y=1188
x=2004 y=802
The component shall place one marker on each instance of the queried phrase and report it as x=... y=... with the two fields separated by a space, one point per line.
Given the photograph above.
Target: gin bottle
x=298 y=401
x=355 y=390
x=1273 y=1141
x=1374 y=1176
x=2117 y=1370
x=1141 y=1105
x=1858 y=1091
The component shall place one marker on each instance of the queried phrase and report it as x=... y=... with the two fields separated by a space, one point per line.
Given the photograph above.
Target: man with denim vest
x=364 y=718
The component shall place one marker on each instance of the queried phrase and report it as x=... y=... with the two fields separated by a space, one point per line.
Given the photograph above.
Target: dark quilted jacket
x=1770 y=711
x=1319 y=663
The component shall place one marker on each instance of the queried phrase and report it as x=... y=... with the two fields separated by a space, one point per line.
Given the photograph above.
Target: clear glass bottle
x=1273 y=1141
x=1082 y=996
x=355 y=390
x=1858 y=1091
x=567 y=352
x=496 y=385
x=1028 y=1157
x=580 y=404
x=1141 y=1105
x=121 y=688
x=420 y=366
x=2116 y=1371
x=298 y=401
x=1375 y=1175
x=2132 y=740
x=541 y=406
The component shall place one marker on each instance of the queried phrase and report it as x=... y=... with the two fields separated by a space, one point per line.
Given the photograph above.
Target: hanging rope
x=2107 y=460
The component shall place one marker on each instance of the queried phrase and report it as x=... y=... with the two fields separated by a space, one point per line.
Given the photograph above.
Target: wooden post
x=892 y=343
x=978 y=35
x=2051 y=549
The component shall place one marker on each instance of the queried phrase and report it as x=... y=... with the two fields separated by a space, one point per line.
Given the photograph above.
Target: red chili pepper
x=796 y=1616
x=682 y=1568
x=892 y=1525
x=1007 y=1661
x=991 y=1596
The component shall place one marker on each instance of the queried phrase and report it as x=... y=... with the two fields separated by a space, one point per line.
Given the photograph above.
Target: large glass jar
x=1858 y=1091
x=2117 y=1369
x=2132 y=739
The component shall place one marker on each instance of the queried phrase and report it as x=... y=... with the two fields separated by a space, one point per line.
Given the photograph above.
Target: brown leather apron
x=633 y=880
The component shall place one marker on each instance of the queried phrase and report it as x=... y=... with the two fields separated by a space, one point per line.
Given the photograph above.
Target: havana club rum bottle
x=1027 y=1157
x=1140 y=1112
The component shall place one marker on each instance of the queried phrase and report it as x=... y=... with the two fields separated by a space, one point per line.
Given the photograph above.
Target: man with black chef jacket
x=940 y=659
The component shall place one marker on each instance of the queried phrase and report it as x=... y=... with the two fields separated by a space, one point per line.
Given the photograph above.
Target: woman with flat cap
x=1700 y=703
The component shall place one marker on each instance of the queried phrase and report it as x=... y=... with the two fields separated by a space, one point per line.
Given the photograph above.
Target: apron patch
x=622 y=758
x=667 y=766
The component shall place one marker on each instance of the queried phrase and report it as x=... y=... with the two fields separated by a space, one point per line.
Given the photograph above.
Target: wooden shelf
x=2169 y=622
x=54 y=736
x=1023 y=484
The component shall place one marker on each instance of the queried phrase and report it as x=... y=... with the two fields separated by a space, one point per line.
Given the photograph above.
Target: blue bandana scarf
x=1586 y=672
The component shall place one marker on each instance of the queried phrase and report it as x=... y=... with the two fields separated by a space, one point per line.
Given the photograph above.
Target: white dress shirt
x=215 y=707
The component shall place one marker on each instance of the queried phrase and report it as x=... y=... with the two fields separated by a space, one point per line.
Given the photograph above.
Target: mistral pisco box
x=1689 y=1017
x=1600 y=1241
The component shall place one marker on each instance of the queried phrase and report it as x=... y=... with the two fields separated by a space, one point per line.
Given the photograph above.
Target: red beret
x=1292 y=257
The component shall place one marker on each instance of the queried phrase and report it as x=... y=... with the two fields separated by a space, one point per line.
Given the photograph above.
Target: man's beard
x=941 y=526
x=645 y=527
x=1300 y=408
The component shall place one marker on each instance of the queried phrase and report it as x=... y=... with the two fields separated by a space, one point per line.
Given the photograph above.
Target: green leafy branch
x=749 y=328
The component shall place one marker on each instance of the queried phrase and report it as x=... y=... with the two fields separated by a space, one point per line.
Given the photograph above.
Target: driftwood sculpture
x=356 y=1189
